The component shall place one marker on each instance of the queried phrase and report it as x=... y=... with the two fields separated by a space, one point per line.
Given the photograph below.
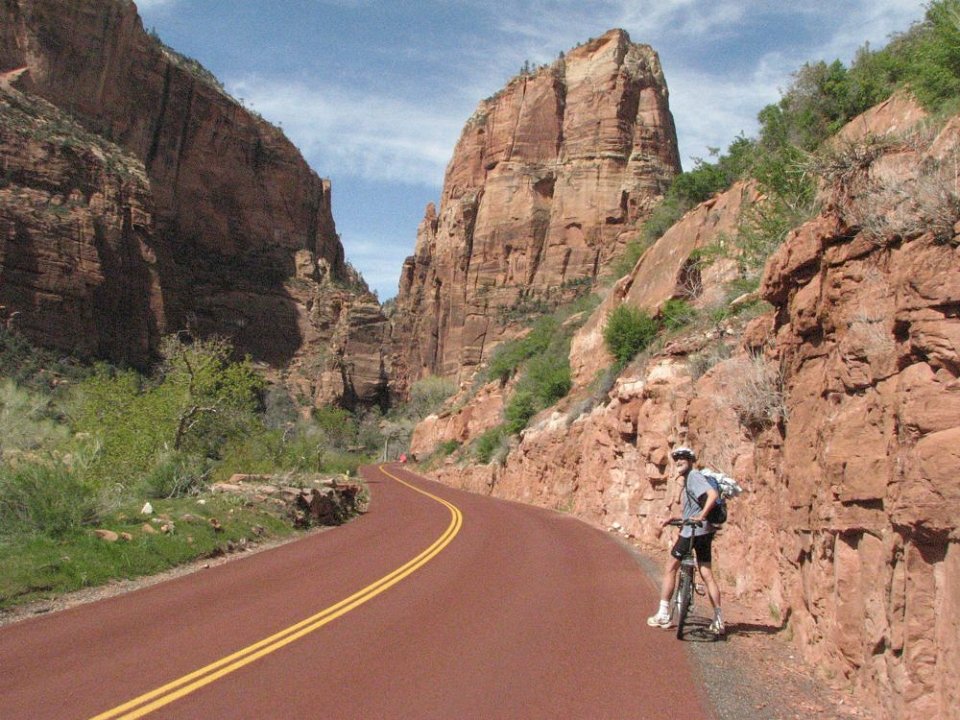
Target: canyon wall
x=546 y=185
x=838 y=410
x=223 y=203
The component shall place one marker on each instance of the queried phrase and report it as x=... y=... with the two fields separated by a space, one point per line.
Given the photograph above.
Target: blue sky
x=375 y=93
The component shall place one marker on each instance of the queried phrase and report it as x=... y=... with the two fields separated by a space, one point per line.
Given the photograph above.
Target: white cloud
x=379 y=260
x=370 y=136
x=710 y=110
x=153 y=4
x=710 y=107
x=866 y=21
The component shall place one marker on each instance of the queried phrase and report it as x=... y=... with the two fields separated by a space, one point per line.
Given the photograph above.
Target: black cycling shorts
x=701 y=546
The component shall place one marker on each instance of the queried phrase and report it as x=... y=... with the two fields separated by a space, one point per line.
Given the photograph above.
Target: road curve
x=435 y=604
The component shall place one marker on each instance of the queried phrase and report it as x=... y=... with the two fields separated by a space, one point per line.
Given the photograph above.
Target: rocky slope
x=222 y=205
x=546 y=184
x=839 y=410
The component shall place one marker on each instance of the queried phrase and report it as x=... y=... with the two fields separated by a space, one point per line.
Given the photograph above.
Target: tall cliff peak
x=547 y=183
x=230 y=232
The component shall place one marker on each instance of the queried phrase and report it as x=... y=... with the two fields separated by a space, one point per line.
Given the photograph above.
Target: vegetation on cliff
x=83 y=448
x=823 y=97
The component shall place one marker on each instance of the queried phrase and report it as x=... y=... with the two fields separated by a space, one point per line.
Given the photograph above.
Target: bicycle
x=682 y=602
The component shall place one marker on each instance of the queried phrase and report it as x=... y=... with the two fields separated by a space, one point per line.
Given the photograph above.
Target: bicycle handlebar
x=684 y=523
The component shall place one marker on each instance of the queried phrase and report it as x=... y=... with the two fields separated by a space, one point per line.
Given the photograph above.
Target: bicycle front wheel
x=684 y=599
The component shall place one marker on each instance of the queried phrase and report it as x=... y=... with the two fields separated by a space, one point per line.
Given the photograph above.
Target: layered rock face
x=666 y=271
x=839 y=411
x=546 y=183
x=76 y=236
x=230 y=200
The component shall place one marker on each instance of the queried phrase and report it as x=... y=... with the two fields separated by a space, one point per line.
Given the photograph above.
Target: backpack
x=726 y=487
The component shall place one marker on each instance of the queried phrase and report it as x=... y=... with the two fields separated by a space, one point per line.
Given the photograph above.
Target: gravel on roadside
x=753 y=673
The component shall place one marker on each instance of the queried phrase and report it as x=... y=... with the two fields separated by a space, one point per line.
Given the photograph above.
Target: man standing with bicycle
x=694 y=487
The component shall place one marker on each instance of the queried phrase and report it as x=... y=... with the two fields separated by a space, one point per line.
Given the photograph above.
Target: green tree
x=212 y=397
x=628 y=331
x=935 y=58
x=198 y=401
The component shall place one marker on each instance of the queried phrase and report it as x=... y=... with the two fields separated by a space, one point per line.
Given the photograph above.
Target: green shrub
x=448 y=447
x=212 y=397
x=338 y=426
x=677 y=313
x=176 y=474
x=486 y=446
x=547 y=376
x=509 y=355
x=628 y=331
x=931 y=54
x=428 y=395
x=130 y=424
x=663 y=217
x=25 y=420
x=198 y=403
x=632 y=253
x=46 y=498
x=342 y=462
x=519 y=410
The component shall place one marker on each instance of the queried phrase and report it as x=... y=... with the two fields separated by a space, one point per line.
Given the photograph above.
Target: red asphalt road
x=526 y=613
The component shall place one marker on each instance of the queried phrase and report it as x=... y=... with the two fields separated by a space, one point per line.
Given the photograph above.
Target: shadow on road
x=697 y=629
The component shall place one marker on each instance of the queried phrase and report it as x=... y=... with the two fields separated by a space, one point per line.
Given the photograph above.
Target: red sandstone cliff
x=839 y=410
x=223 y=203
x=546 y=183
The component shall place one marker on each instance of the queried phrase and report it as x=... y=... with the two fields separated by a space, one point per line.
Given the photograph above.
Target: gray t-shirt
x=696 y=485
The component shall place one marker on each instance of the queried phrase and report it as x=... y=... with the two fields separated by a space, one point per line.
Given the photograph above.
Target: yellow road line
x=155 y=699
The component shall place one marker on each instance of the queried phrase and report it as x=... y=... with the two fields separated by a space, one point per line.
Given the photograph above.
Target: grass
x=82 y=449
x=41 y=566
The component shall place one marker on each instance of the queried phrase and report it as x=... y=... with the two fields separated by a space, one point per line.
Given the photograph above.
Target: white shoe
x=717 y=627
x=658 y=620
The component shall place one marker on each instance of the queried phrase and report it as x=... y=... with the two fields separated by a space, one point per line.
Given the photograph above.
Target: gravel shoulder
x=754 y=673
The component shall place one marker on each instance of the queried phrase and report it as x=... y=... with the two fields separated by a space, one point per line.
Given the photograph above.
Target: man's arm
x=712 y=497
x=680 y=480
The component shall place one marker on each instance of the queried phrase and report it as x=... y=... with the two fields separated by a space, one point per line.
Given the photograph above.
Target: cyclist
x=694 y=486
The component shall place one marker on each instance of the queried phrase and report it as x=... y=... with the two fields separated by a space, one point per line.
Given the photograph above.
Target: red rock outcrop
x=546 y=184
x=76 y=236
x=839 y=413
x=229 y=200
x=666 y=271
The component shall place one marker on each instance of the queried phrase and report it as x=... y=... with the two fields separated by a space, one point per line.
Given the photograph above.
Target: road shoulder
x=754 y=673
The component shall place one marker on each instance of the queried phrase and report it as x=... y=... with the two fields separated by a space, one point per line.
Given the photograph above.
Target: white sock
x=717 y=614
x=664 y=608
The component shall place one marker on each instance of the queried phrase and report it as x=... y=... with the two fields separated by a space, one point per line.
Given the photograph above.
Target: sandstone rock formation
x=838 y=410
x=546 y=184
x=203 y=233
x=666 y=271
x=76 y=236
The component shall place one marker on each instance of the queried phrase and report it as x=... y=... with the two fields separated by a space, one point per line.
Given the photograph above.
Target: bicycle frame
x=686 y=586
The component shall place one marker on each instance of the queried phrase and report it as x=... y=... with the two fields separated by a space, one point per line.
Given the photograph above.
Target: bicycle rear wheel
x=684 y=598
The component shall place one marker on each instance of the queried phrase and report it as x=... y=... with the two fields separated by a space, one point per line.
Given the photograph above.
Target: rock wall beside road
x=839 y=410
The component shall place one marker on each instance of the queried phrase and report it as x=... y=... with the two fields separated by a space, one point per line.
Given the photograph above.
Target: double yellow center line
x=155 y=699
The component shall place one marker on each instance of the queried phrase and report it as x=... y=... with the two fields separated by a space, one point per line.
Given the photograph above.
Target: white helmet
x=683 y=452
